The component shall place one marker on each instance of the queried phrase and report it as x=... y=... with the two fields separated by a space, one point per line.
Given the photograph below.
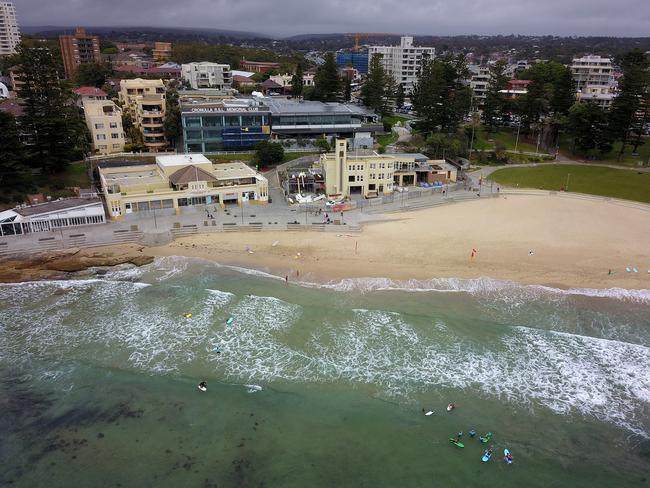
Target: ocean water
x=319 y=385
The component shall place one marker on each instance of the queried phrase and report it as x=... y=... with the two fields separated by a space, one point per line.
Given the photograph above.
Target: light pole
x=517 y=140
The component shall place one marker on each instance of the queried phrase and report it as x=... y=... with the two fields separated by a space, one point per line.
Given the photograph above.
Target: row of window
x=105 y=146
x=102 y=137
x=112 y=125
x=226 y=121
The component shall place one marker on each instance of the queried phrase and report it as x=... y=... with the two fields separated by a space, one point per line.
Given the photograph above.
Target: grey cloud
x=288 y=17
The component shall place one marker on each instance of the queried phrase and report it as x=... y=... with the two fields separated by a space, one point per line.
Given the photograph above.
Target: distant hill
x=154 y=33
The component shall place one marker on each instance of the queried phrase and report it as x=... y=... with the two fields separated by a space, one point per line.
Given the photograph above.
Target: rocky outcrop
x=64 y=264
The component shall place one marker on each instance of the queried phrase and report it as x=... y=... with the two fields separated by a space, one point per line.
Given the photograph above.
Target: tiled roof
x=190 y=173
x=90 y=91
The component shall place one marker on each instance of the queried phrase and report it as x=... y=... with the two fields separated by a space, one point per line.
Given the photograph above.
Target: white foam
x=107 y=323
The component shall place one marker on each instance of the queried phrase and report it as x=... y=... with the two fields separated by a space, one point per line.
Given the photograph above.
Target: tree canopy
x=56 y=129
x=327 y=84
x=439 y=97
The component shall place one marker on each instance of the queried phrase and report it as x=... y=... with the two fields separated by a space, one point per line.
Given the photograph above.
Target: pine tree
x=347 y=89
x=297 y=83
x=58 y=133
x=628 y=108
x=92 y=74
x=327 y=83
x=379 y=88
x=439 y=97
x=14 y=174
x=172 y=125
x=493 y=108
x=587 y=125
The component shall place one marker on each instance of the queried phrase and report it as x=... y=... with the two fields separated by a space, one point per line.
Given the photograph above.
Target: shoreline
x=529 y=240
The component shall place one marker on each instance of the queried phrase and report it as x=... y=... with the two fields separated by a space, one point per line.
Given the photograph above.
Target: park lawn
x=393 y=119
x=593 y=180
x=387 y=139
x=505 y=137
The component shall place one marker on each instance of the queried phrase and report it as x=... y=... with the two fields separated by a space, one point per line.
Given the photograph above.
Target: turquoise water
x=319 y=385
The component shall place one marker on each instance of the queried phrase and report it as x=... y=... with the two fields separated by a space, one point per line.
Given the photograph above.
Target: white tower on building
x=9 y=32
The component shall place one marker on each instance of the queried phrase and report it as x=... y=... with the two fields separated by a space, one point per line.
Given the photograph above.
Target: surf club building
x=375 y=175
x=176 y=182
x=52 y=215
x=240 y=123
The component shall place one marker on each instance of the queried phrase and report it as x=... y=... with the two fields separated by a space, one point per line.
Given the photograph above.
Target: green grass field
x=593 y=180
x=387 y=139
x=393 y=119
x=505 y=137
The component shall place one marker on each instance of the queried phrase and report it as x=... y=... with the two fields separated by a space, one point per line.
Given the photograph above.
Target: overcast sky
x=289 y=17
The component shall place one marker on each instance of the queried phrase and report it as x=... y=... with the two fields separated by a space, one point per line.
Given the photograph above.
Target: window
x=192 y=121
x=113 y=125
x=351 y=178
x=350 y=167
x=101 y=137
x=340 y=154
x=115 y=135
x=372 y=165
x=117 y=146
x=99 y=126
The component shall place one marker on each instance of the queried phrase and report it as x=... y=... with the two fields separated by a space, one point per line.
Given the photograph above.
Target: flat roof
x=182 y=160
x=283 y=106
x=417 y=156
x=134 y=175
x=56 y=205
x=233 y=170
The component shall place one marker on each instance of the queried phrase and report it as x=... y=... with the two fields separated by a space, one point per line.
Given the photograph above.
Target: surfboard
x=430 y=412
x=450 y=407
x=505 y=453
x=229 y=321
x=457 y=444
x=202 y=388
x=486 y=456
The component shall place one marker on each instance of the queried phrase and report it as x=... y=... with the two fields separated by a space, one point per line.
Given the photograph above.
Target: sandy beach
x=527 y=239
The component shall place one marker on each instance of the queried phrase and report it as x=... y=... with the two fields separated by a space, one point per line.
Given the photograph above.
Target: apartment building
x=145 y=101
x=77 y=49
x=598 y=94
x=479 y=81
x=104 y=121
x=9 y=31
x=403 y=61
x=592 y=70
x=162 y=51
x=259 y=66
x=207 y=75
x=285 y=80
x=177 y=182
x=358 y=61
